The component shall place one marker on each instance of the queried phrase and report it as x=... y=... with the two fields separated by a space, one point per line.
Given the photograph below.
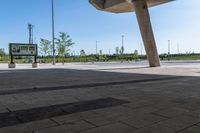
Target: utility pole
x=168 y=50
x=178 y=52
x=123 y=40
x=96 y=47
x=53 y=33
x=30 y=28
x=168 y=47
x=141 y=47
x=122 y=48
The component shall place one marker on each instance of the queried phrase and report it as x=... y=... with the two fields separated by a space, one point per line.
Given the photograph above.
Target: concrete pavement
x=100 y=98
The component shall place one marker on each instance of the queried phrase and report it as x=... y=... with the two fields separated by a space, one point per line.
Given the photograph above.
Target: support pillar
x=11 y=64
x=144 y=21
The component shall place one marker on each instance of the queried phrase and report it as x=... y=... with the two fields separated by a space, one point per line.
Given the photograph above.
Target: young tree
x=83 y=57
x=100 y=52
x=2 y=52
x=64 y=42
x=45 y=47
x=117 y=50
x=121 y=50
x=82 y=53
x=136 y=52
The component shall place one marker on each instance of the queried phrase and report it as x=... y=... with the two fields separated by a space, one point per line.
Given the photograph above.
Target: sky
x=178 y=21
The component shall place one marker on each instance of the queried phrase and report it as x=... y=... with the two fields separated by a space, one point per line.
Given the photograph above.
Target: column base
x=11 y=65
x=34 y=65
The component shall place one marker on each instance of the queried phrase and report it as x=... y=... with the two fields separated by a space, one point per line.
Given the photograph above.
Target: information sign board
x=18 y=49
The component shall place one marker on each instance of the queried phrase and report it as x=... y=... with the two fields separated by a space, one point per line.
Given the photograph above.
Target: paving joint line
x=187 y=127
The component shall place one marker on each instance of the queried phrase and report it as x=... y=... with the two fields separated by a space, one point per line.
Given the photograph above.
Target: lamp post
x=122 y=40
x=30 y=28
x=178 y=51
x=122 y=48
x=96 y=48
x=53 y=33
x=169 y=50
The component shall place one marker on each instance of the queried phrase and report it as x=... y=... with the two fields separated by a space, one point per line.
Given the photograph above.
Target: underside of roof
x=121 y=6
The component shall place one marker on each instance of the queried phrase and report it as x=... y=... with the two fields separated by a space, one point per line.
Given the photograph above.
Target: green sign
x=18 y=49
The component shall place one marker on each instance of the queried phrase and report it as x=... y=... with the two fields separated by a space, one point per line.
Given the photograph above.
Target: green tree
x=117 y=50
x=64 y=42
x=102 y=57
x=82 y=53
x=100 y=52
x=121 y=50
x=136 y=52
x=2 y=53
x=83 y=57
x=45 y=47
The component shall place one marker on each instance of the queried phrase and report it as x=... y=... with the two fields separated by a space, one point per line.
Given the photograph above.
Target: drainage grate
x=24 y=116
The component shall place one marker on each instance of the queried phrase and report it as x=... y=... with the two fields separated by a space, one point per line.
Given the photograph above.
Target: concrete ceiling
x=121 y=6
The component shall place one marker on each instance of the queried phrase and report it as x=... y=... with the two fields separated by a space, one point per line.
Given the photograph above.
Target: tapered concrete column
x=144 y=21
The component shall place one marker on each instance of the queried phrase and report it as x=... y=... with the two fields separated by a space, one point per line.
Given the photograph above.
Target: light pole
x=122 y=40
x=96 y=47
x=122 y=48
x=30 y=28
x=53 y=33
x=178 y=52
x=141 y=48
x=168 y=50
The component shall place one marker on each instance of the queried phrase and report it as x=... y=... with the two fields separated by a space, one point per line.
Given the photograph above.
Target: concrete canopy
x=121 y=6
x=141 y=9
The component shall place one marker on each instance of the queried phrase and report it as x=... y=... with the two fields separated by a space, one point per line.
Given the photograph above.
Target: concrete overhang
x=121 y=6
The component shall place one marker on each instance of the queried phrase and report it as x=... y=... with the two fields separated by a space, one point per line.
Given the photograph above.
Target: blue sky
x=178 y=22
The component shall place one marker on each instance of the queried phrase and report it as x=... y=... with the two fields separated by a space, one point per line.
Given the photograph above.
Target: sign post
x=20 y=49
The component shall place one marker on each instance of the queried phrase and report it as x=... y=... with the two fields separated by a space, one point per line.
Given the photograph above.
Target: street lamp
x=169 y=50
x=53 y=33
x=122 y=40
x=122 y=48
x=96 y=47
x=178 y=52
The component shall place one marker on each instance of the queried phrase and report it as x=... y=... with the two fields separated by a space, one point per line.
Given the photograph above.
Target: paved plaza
x=111 y=97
